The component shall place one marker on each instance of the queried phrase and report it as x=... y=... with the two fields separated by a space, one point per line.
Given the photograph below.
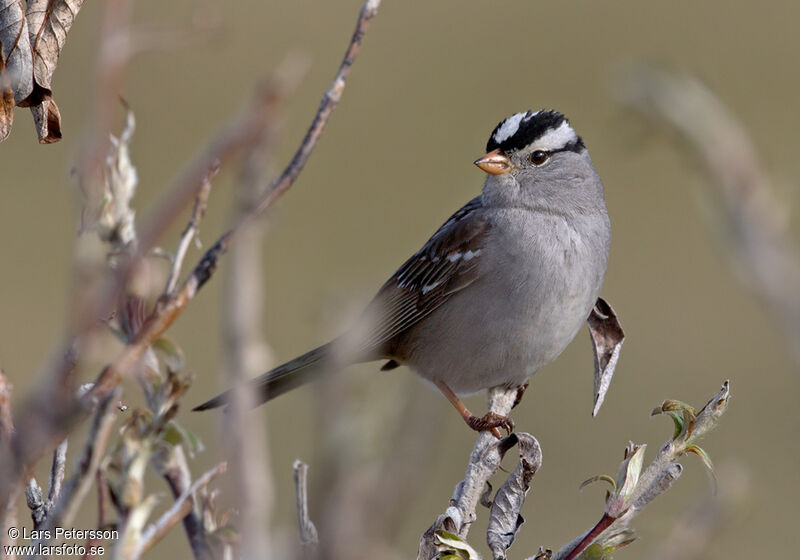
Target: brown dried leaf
x=47 y=119
x=607 y=337
x=16 y=50
x=49 y=21
x=6 y=101
x=504 y=518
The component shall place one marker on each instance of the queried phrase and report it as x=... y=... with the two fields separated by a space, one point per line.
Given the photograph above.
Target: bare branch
x=308 y=532
x=57 y=470
x=36 y=503
x=167 y=310
x=245 y=356
x=483 y=463
x=329 y=102
x=62 y=410
x=180 y=508
x=8 y=511
x=6 y=418
x=200 y=205
x=87 y=464
x=176 y=472
x=239 y=135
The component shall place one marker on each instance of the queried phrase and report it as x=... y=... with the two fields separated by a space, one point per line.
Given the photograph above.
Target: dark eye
x=539 y=157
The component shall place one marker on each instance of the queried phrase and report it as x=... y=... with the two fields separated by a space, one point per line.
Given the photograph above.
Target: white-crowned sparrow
x=500 y=289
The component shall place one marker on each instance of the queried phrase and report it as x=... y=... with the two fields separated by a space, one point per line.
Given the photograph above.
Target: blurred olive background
x=432 y=81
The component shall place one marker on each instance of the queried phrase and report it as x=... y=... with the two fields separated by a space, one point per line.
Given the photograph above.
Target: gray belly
x=533 y=296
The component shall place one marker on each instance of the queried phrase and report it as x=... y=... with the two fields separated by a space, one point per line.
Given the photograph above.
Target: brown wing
x=446 y=264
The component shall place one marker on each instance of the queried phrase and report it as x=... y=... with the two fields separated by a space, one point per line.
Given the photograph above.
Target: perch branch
x=483 y=463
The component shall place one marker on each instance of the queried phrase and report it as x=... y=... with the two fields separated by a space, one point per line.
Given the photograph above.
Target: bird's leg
x=490 y=421
x=520 y=391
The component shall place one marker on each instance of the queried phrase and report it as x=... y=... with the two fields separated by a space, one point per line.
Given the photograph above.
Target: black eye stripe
x=575 y=146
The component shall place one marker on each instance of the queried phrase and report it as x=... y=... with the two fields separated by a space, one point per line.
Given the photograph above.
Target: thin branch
x=79 y=483
x=245 y=354
x=180 y=508
x=168 y=309
x=200 y=205
x=63 y=410
x=6 y=418
x=57 y=470
x=36 y=503
x=308 y=532
x=8 y=512
x=483 y=463
x=329 y=102
x=102 y=514
x=635 y=488
x=176 y=472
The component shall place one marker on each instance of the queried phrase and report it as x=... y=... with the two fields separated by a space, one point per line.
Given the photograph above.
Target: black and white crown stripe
x=541 y=130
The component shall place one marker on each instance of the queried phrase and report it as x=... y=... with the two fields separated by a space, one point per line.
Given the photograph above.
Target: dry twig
x=308 y=532
x=183 y=504
x=245 y=356
x=192 y=229
x=483 y=463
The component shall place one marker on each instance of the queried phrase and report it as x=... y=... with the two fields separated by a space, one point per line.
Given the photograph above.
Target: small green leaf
x=677 y=406
x=630 y=469
x=175 y=434
x=174 y=357
x=453 y=546
x=700 y=452
x=593 y=552
x=598 y=478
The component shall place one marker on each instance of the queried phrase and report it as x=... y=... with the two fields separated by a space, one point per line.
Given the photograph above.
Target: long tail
x=278 y=381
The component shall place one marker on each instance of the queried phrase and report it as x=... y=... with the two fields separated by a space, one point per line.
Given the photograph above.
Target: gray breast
x=539 y=279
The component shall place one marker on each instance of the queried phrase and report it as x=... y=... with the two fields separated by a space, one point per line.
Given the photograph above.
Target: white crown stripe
x=509 y=127
x=552 y=139
x=556 y=138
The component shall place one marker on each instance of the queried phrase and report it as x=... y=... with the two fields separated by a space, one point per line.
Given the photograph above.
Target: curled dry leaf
x=6 y=101
x=16 y=48
x=607 y=337
x=47 y=120
x=504 y=518
x=16 y=62
x=49 y=21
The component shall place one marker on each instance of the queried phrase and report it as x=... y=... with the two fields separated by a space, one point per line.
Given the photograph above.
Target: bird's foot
x=490 y=422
